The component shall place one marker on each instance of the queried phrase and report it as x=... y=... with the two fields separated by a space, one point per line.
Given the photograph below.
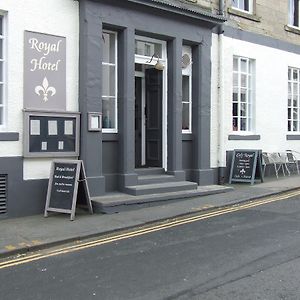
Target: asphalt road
x=248 y=254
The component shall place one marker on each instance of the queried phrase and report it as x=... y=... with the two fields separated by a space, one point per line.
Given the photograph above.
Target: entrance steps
x=154 y=187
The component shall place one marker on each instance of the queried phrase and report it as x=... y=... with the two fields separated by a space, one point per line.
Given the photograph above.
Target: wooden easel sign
x=246 y=166
x=64 y=180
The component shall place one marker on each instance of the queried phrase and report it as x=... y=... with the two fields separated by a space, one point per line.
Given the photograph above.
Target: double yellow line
x=146 y=230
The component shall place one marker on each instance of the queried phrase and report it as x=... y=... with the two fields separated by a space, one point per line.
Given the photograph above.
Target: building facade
x=143 y=67
x=152 y=95
x=45 y=42
x=255 y=98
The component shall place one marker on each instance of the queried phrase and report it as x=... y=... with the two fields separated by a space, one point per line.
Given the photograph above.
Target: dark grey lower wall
x=23 y=197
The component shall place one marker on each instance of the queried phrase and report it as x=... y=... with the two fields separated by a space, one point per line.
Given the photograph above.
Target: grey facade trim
x=179 y=7
x=112 y=156
x=252 y=137
x=293 y=137
x=9 y=136
x=187 y=137
x=110 y=137
x=260 y=39
x=30 y=195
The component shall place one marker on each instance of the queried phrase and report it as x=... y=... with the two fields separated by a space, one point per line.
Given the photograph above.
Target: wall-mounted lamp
x=158 y=66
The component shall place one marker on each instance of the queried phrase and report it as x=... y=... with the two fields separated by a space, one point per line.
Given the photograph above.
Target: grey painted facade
x=110 y=158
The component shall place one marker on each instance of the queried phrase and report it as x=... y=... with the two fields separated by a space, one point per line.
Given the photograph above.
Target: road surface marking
x=130 y=234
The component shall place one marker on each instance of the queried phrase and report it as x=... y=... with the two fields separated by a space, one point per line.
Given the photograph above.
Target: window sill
x=9 y=136
x=242 y=14
x=292 y=29
x=238 y=137
x=293 y=137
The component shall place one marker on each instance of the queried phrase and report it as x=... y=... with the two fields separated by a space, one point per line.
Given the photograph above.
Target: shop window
x=294 y=13
x=243 y=94
x=244 y=5
x=109 y=82
x=293 y=100
x=2 y=73
x=186 y=90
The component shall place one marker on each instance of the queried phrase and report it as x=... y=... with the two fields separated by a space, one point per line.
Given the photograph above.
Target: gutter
x=182 y=8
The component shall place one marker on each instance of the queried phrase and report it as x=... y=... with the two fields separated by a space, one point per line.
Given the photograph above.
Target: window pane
x=235 y=64
x=108 y=80
x=235 y=79
x=295 y=74
x=243 y=123
x=289 y=88
x=295 y=89
x=289 y=74
x=1 y=116
x=235 y=109
x=295 y=126
x=185 y=116
x=185 y=88
x=108 y=110
x=109 y=47
x=235 y=97
x=244 y=80
x=244 y=65
x=243 y=109
x=235 y=124
x=243 y=95
x=289 y=113
x=295 y=114
x=289 y=126
x=146 y=48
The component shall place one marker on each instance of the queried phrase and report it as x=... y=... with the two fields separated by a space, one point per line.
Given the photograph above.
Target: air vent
x=3 y=193
x=186 y=60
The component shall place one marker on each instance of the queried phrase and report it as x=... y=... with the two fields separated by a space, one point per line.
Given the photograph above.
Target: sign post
x=246 y=166
x=64 y=180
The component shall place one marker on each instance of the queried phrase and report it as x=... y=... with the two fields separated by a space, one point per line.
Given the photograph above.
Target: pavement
x=20 y=235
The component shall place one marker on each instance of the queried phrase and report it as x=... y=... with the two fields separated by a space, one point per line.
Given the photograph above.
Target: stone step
x=156 y=178
x=118 y=202
x=157 y=188
x=149 y=171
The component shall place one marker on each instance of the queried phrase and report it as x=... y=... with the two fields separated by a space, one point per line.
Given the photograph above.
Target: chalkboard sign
x=65 y=178
x=246 y=166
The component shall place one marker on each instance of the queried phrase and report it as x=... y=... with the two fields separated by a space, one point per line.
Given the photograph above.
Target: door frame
x=144 y=60
x=141 y=74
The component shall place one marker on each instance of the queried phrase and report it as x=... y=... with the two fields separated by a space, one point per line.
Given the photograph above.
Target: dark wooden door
x=153 y=111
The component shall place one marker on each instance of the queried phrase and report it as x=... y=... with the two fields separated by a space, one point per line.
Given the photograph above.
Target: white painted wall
x=271 y=92
x=57 y=17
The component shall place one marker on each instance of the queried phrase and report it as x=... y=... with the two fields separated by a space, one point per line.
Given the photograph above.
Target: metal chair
x=272 y=159
x=291 y=161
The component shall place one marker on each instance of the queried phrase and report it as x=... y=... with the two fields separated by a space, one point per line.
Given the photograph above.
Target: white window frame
x=3 y=60
x=188 y=72
x=237 y=4
x=291 y=21
x=115 y=97
x=293 y=105
x=249 y=96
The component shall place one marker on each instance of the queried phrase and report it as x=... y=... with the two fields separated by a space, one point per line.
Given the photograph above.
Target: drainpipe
x=221 y=137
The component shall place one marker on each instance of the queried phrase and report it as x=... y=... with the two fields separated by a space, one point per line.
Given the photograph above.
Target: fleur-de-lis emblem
x=45 y=89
